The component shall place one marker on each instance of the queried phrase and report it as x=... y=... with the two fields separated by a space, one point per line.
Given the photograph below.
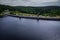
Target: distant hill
x=29 y=9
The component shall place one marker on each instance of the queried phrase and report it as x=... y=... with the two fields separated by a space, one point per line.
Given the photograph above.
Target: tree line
x=46 y=10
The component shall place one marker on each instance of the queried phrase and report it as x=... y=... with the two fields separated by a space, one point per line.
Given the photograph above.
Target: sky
x=30 y=2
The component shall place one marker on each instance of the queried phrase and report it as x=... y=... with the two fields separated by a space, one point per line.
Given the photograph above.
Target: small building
x=6 y=11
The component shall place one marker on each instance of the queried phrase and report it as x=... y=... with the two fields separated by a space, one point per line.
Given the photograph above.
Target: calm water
x=12 y=28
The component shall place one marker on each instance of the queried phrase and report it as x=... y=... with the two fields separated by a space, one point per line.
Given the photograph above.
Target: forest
x=43 y=10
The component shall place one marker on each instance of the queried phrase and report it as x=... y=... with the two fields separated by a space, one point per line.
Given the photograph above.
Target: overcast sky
x=30 y=2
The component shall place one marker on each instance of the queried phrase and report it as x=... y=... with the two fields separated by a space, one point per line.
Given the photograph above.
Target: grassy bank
x=2 y=15
x=45 y=15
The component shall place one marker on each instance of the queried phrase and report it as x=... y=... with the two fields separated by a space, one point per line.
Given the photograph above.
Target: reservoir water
x=12 y=28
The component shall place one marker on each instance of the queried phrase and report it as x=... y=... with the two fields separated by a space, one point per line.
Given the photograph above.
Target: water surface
x=12 y=28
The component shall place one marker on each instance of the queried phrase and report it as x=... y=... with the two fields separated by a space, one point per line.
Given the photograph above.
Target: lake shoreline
x=38 y=18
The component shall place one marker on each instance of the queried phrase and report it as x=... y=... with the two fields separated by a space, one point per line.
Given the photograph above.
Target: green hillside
x=45 y=11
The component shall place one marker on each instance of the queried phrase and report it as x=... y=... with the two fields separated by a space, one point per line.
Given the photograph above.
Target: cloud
x=28 y=2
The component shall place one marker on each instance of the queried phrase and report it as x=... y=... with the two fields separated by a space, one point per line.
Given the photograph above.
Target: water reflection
x=29 y=29
x=19 y=18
